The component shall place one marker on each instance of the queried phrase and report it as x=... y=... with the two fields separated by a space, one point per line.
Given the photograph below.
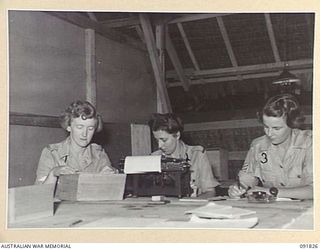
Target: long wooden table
x=143 y=213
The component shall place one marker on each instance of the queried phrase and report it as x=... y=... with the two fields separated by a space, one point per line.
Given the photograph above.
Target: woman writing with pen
x=280 y=162
x=76 y=153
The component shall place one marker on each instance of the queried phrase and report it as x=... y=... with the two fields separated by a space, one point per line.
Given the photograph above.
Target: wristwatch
x=274 y=191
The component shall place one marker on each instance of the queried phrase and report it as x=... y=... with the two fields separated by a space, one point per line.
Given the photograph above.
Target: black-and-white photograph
x=160 y=120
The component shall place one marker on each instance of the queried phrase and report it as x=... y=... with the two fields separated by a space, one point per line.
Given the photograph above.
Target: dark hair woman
x=280 y=162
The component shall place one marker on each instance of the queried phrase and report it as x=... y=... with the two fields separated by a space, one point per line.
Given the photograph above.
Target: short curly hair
x=284 y=105
x=168 y=122
x=83 y=109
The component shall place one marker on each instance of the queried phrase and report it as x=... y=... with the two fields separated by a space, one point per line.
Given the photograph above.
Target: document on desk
x=196 y=222
x=142 y=164
x=214 y=211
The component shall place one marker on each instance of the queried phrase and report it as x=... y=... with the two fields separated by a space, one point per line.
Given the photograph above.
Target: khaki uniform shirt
x=58 y=154
x=201 y=171
x=294 y=170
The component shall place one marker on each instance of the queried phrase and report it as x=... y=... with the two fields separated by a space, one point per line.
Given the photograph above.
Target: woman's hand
x=235 y=191
x=108 y=170
x=57 y=171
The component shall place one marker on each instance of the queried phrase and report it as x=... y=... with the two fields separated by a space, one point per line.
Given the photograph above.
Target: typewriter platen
x=173 y=180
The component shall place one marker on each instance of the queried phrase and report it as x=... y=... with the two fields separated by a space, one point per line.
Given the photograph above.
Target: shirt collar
x=297 y=140
x=64 y=150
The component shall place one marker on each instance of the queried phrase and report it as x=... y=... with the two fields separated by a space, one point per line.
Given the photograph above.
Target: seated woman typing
x=167 y=129
x=280 y=162
x=76 y=153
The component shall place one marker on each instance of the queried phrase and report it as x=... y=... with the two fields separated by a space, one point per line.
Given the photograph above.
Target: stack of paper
x=142 y=164
x=214 y=211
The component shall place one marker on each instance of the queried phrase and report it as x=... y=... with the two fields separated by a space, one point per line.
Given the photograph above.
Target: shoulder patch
x=198 y=148
x=52 y=147
x=96 y=146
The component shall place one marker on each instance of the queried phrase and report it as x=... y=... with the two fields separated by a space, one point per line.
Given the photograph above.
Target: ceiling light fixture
x=286 y=78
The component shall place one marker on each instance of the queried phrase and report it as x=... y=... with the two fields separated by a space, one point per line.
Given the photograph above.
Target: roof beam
x=272 y=38
x=121 y=22
x=86 y=23
x=154 y=58
x=92 y=16
x=235 y=78
x=194 y=17
x=176 y=63
x=187 y=44
x=249 y=69
x=160 y=43
x=227 y=42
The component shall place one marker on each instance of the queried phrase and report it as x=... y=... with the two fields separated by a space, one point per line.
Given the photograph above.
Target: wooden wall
x=47 y=72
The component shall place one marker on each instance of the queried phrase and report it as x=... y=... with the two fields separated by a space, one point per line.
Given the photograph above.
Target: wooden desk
x=140 y=213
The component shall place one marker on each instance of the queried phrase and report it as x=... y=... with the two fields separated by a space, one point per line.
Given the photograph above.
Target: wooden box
x=91 y=187
x=218 y=159
x=30 y=202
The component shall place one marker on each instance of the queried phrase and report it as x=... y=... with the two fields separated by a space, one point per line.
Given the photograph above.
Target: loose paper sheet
x=142 y=164
x=212 y=210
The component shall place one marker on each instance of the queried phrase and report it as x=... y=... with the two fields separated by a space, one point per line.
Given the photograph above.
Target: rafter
x=272 y=38
x=86 y=23
x=227 y=42
x=153 y=55
x=176 y=63
x=92 y=16
x=187 y=44
x=194 y=17
x=122 y=22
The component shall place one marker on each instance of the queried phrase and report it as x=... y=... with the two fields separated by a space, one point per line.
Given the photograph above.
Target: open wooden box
x=91 y=187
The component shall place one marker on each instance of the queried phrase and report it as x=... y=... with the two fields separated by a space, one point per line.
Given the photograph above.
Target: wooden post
x=91 y=79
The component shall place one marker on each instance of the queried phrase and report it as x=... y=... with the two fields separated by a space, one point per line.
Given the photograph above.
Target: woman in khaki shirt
x=76 y=153
x=280 y=162
x=167 y=129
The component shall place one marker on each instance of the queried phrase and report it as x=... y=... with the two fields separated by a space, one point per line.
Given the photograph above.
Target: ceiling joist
x=236 y=78
x=249 y=69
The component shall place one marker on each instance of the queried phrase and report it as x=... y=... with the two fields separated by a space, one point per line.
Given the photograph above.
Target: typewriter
x=173 y=180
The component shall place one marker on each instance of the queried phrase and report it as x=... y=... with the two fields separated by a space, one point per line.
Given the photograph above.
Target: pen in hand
x=242 y=187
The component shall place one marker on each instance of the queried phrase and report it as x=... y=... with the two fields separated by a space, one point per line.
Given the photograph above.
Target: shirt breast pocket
x=294 y=178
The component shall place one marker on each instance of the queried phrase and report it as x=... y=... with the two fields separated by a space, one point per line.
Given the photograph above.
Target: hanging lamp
x=286 y=78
